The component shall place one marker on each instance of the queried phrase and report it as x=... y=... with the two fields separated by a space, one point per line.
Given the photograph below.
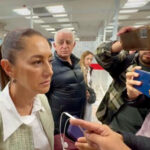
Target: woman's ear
x=7 y=67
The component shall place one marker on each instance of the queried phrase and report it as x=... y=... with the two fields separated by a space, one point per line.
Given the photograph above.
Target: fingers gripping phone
x=138 y=39
x=144 y=77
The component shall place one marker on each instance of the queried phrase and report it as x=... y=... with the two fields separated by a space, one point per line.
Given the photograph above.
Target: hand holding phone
x=144 y=77
x=137 y=39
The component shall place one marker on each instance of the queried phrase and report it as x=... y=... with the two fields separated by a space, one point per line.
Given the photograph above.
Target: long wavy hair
x=82 y=63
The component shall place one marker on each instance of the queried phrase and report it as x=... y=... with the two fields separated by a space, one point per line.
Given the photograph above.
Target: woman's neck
x=22 y=99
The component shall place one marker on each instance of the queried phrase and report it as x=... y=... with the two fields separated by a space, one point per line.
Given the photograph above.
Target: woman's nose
x=48 y=71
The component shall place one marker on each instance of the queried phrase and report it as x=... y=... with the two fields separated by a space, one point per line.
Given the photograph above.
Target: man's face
x=64 y=45
x=145 y=57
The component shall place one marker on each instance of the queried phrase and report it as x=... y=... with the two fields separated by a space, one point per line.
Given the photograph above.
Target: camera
x=138 y=39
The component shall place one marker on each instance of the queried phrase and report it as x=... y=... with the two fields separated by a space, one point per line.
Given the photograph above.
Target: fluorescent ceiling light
x=77 y=39
x=38 y=21
x=135 y=3
x=63 y=20
x=45 y=26
x=137 y=26
x=108 y=30
x=53 y=32
x=22 y=11
x=141 y=23
x=56 y=9
x=71 y=28
x=50 y=29
x=60 y=15
x=109 y=27
x=128 y=11
x=33 y=17
x=122 y=17
x=66 y=25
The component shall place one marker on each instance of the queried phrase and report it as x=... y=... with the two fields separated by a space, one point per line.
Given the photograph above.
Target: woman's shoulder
x=44 y=101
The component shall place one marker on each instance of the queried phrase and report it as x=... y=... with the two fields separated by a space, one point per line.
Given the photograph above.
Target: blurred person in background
x=26 y=121
x=85 y=62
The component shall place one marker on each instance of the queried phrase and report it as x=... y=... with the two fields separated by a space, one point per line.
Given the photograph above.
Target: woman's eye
x=50 y=61
x=37 y=62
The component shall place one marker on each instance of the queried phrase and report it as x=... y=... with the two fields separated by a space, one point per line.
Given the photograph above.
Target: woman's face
x=88 y=60
x=33 y=69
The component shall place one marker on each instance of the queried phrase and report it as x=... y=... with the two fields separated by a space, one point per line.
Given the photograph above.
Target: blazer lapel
x=48 y=126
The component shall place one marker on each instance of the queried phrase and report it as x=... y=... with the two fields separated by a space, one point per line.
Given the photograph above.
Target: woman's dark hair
x=13 y=42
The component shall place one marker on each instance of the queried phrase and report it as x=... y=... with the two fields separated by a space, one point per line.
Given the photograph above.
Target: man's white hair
x=65 y=30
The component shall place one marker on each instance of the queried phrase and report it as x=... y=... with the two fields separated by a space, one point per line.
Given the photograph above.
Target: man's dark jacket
x=67 y=91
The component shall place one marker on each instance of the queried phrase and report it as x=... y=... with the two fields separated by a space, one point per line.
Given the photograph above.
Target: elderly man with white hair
x=68 y=92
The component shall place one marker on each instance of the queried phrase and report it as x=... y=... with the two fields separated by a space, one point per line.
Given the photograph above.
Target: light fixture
x=109 y=27
x=66 y=25
x=141 y=23
x=77 y=39
x=53 y=32
x=135 y=3
x=60 y=15
x=22 y=11
x=108 y=30
x=63 y=20
x=137 y=26
x=50 y=29
x=122 y=17
x=128 y=11
x=33 y=17
x=56 y=9
x=45 y=26
x=38 y=21
x=71 y=28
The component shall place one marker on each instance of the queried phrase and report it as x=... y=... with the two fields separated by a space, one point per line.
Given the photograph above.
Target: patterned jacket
x=113 y=102
x=22 y=138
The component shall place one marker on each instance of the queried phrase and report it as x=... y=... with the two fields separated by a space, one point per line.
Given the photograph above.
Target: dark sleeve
x=142 y=101
x=114 y=63
x=136 y=142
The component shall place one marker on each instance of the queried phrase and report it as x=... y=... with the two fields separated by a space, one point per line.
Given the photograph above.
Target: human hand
x=82 y=144
x=117 y=46
x=100 y=137
x=87 y=95
x=132 y=92
x=125 y=29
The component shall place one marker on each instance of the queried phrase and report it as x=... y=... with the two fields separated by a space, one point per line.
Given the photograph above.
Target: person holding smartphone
x=100 y=136
x=114 y=110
